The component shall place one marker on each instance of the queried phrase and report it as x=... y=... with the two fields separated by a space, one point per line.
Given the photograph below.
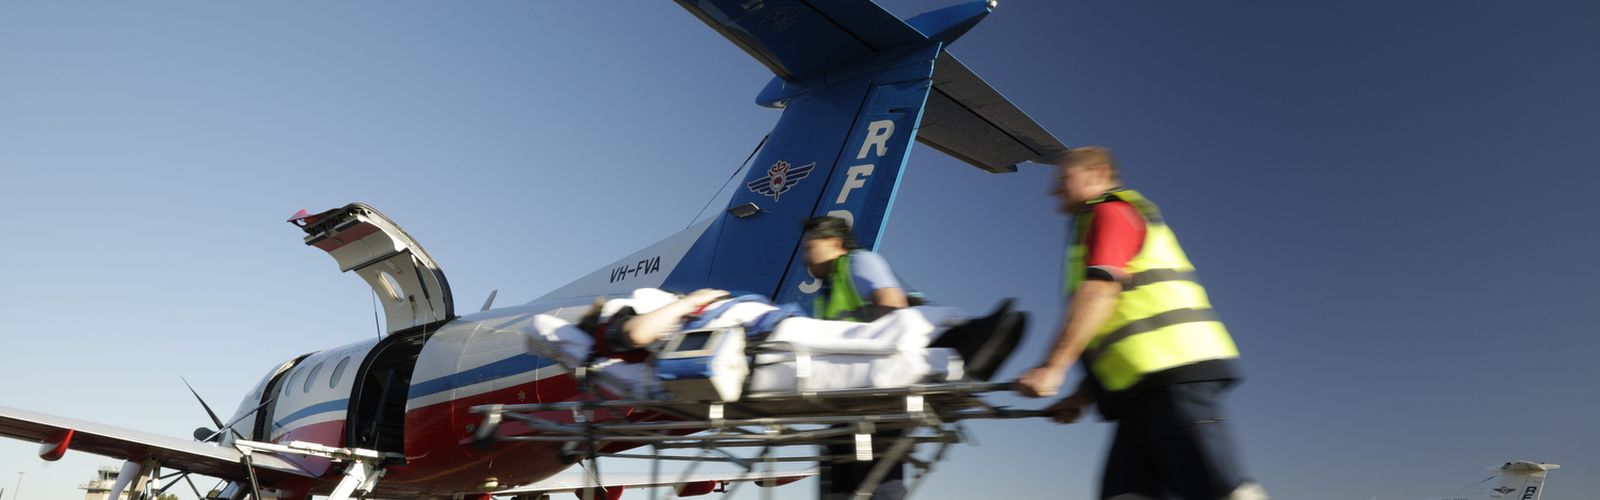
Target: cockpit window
x=288 y=381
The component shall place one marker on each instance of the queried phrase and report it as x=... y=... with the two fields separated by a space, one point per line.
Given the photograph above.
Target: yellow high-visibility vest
x=1163 y=319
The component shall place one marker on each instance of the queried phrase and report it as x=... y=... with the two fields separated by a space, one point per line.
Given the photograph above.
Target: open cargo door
x=407 y=281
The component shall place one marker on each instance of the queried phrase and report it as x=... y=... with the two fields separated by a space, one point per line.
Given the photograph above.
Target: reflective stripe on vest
x=1162 y=320
x=840 y=301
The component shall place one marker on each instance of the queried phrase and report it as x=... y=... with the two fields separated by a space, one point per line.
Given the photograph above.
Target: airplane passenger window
x=338 y=371
x=311 y=377
x=392 y=286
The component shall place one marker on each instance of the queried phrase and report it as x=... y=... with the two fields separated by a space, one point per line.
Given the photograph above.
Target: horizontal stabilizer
x=804 y=41
x=1519 y=480
x=798 y=39
x=947 y=24
x=1524 y=466
x=969 y=120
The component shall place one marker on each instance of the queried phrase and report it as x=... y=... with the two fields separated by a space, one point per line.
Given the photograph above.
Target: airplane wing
x=126 y=444
x=695 y=484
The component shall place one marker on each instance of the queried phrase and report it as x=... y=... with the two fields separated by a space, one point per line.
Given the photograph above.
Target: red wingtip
x=55 y=445
x=698 y=488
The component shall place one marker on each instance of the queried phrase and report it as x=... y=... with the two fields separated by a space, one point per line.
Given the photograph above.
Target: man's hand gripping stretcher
x=789 y=352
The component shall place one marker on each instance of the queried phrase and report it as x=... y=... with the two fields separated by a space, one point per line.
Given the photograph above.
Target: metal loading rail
x=924 y=414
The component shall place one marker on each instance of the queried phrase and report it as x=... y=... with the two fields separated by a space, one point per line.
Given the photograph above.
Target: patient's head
x=590 y=321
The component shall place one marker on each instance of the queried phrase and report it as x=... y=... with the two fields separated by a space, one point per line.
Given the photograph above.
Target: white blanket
x=898 y=343
x=894 y=348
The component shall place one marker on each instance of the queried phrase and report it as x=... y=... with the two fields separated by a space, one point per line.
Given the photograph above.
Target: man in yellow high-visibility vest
x=1157 y=357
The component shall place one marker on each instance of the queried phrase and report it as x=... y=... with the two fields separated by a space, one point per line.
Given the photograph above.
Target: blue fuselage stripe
x=499 y=369
x=514 y=365
x=326 y=406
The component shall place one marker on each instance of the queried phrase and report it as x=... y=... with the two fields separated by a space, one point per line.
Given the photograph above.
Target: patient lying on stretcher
x=907 y=346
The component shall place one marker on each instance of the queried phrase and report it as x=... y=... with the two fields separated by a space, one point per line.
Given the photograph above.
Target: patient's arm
x=646 y=328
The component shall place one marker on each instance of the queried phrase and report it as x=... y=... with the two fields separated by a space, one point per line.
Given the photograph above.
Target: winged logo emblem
x=780 y=178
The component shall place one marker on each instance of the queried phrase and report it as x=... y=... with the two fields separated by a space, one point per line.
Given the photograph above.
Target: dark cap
x=830 y=227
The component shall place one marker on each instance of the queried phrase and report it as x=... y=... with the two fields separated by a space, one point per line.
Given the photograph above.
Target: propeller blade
x=230 y=425
x=214 y=420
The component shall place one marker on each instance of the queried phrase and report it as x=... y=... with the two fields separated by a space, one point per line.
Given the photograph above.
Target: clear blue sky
x=1391 y=203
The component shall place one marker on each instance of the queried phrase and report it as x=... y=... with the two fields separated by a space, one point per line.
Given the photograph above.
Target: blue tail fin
x=856 y=86
x=838 y=149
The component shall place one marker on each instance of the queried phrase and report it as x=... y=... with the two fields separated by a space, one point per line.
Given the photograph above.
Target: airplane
x=856 y=86
x=1515 y=480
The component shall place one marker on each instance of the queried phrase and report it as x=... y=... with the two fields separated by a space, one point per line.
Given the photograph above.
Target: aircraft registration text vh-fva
x=389 y=417
x=644 y=266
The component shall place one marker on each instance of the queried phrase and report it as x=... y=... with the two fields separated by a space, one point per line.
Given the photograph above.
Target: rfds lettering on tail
x=862 y=199
x=875 y=145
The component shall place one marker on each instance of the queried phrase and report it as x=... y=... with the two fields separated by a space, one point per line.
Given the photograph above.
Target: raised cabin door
x=406 y=279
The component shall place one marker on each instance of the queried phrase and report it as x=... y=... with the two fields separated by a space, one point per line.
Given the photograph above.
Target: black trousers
x=1174 y=442
x=839 y=480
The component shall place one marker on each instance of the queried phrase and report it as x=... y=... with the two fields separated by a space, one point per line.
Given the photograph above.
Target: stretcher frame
x=927 y=414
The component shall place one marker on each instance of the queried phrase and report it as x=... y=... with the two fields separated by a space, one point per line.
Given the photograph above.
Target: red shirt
x=1116 y=233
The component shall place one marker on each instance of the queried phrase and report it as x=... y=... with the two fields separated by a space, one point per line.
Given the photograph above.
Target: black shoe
x=997 y=347
x=985 y=343
x=966 y=337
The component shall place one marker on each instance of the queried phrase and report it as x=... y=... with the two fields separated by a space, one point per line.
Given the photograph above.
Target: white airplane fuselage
x=410 y=393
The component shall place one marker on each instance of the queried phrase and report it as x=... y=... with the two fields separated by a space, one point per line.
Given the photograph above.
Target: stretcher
x=760 y=429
